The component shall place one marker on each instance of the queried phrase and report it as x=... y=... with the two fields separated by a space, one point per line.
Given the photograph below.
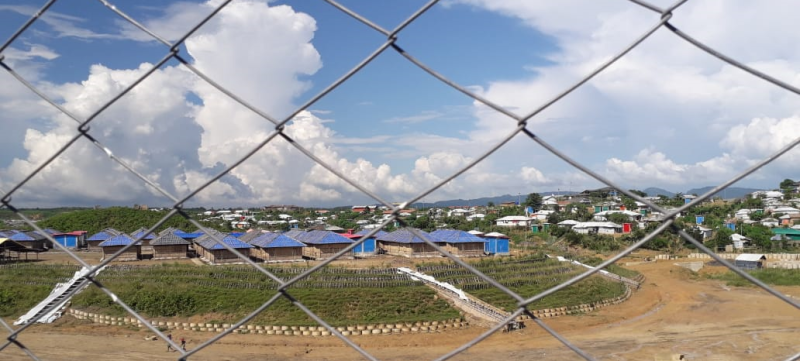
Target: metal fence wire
x=661 y=22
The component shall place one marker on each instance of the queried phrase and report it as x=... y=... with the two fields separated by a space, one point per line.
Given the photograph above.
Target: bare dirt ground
x=672 y=313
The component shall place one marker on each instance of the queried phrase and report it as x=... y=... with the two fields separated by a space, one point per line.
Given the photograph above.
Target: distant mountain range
x=484 y=200
x=732 y=192
x=728 y=193
x=653 y=192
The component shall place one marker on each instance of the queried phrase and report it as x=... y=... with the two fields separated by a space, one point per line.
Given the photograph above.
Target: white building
x=542 y=214
x=739 y=240
x=767 y=194
x=477 y=216
x=458 y=212
x=786 y=210
x=743 y=214
x=706 y=232
x=770 y=222
x=568 y=223
x=603 y=216
x=597 y=228
x=514 y=221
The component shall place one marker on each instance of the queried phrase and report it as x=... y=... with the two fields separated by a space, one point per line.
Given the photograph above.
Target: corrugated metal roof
x=211 y=244
x=456 y=236
x=275 y=240
x=495 y=235
x=168 y=230
x=169 y=239
x=250 y=235
x=749 y=257
x=405 y=236
x=118 y=240
x=36 y=235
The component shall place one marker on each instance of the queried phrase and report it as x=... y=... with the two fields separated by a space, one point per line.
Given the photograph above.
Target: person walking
x=169 y=345
x=183 y=344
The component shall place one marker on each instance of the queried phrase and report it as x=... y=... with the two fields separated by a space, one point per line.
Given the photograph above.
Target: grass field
x=613 y=268
x=340 y=296
x=770 y=276
x=527 y=276
x=24 y=285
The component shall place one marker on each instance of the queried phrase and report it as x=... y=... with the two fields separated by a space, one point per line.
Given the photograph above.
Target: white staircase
x=50 y=308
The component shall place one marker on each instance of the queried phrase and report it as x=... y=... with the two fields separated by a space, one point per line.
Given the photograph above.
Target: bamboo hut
x=461 y=243
x=212 y=251
x=403 y=242
x=114 y=244
x=321 y=244
x=169 y=246
x=276 y=247
x=93 y=242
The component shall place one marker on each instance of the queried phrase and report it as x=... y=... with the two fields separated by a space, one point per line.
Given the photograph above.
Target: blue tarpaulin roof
x=366 y=231
x=119 y=240
x=211 y=244
x=275 y=240
x=456 y=236
x=21 y=237
x=140 y=232
x=405 y=236
x=8 y=233
x=103 y=235
x=186 y=235
x=295 y=233
x=320 y=237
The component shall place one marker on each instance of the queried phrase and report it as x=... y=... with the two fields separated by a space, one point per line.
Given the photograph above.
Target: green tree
x=618 y=218
x=721 y=238
x=787 y=184
x=424 y=223
x=555 y=218
x=638 y=192
x=759 y=235
x=629 y=203
x=578 y=212
x=534 y=200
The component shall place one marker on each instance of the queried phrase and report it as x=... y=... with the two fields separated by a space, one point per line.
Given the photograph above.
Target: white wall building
x=597 y=228
x=514 y=221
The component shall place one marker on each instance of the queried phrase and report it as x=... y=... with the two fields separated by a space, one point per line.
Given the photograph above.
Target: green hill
x=120 y=218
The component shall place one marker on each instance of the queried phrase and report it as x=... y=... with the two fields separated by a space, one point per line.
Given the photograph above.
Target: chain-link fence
x=662 y=17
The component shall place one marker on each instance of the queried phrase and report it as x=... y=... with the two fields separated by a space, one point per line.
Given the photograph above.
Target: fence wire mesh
x=663 y=16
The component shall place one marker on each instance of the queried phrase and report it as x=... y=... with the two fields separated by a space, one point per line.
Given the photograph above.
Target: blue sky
x=667 y=115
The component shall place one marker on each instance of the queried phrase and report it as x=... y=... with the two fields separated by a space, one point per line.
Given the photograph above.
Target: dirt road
x=672 y=313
